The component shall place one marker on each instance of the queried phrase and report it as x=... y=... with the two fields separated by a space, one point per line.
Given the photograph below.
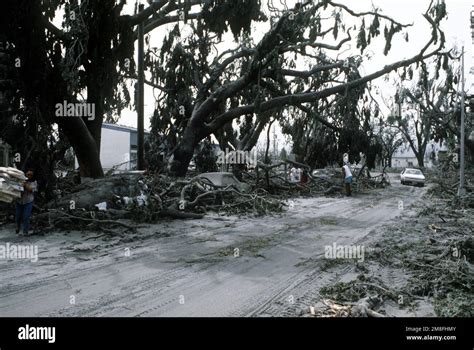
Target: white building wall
x=115 y=149
x=404 y=162
x=406 y=157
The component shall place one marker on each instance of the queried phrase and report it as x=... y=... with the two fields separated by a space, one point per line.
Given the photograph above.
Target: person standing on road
x=294 y=175
x=347 y=175
x=304 y=177
x=24 y=206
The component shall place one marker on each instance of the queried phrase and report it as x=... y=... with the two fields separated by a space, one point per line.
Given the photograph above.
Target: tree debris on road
x=434 y=248
x=141 y=198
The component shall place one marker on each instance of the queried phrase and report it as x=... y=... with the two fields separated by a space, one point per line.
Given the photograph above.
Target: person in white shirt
x=298 y=175
x=347 y=175
x=294 y=175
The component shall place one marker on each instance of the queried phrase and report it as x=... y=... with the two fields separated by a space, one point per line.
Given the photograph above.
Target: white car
x=412 y=176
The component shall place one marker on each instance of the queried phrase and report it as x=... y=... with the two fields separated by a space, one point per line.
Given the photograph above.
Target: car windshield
x=413 y=172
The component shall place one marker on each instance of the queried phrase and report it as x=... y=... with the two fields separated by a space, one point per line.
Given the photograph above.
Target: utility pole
x=140 y=96
x=462 y=190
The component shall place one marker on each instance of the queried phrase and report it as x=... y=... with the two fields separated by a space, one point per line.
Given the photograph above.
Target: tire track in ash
x=206 y=296
x=305 y=290
x=187 y=263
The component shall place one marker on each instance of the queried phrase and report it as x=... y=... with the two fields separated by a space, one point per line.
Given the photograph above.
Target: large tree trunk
x=85 y=135
x=420 y=157
x=90 y=193
x=84 y=146
x=99 y=85
x=95 y=96
x=49 y=88
x=184 y=151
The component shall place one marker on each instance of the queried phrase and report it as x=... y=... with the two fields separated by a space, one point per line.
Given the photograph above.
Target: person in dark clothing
x=24 y=205
x=304 y=177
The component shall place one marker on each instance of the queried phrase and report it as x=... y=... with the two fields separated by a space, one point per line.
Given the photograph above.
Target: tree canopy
x=205 y=89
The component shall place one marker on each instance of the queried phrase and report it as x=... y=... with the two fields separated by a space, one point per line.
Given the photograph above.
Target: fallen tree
x=120 y=201
x=252 y=83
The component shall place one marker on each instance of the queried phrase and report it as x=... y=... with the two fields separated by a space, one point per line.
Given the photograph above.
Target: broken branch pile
x=101 y=203
x=446 y=187
x=326 y=181
x=193 y=198
x=431 y=251
x=147 y=198
x=362 y=297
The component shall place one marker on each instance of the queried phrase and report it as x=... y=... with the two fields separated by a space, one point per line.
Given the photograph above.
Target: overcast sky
x=456 y=28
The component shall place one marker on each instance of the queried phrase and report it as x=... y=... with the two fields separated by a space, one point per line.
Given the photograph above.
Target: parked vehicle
x=411 y=176
x=325 y=174
x=224 y=179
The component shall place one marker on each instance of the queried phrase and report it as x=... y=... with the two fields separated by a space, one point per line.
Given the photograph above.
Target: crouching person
x=24 y=206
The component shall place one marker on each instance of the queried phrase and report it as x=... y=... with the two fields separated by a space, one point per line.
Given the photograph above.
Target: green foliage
x=374 y=29
x=206 y=158
x=389 y=33
x=439 y=11
x=335 y=31
x=181 y=63
x=361 y=38
x=424 y=81
x=219 y=15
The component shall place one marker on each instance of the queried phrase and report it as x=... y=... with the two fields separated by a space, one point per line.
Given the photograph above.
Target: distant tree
x=206 y=157
x=391 y=140
x=429 y=101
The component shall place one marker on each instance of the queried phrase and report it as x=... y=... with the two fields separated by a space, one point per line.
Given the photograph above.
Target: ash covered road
x=216 y=266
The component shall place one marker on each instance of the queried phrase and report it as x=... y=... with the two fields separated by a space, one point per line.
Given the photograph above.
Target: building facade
x=118 y=147
x=405 y=158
